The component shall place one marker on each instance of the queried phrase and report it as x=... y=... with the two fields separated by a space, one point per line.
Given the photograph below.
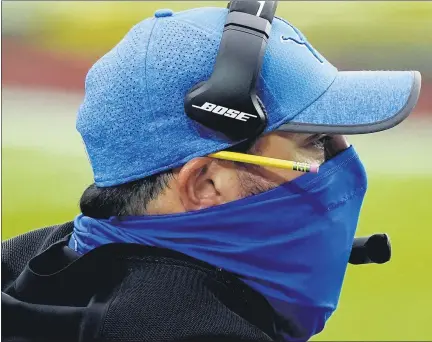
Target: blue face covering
x=291 y=244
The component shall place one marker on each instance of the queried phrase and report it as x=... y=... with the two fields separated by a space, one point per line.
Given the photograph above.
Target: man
x=177 y=243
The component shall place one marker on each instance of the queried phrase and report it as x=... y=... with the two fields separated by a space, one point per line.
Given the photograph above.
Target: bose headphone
x=230 y=93
x=228 y=102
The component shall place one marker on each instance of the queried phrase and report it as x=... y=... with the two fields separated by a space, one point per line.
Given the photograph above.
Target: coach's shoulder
x=18 y=251
x=171 y=297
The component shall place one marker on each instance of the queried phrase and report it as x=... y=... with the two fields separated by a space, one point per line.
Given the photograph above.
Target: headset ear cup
x=196 y=86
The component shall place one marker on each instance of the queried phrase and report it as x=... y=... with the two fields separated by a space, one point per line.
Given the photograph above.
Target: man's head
x=154 y=158
x=148 y=156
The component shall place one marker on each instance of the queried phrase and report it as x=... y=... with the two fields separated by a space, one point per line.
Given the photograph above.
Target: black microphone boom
x=374 y=249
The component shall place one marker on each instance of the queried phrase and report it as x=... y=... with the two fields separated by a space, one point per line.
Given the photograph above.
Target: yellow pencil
x=265 y=161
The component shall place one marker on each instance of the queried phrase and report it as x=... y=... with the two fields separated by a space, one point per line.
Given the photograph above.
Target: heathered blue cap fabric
x=132 y=119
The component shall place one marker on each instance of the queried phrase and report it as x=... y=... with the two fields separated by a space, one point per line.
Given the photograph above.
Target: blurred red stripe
x=26 y=66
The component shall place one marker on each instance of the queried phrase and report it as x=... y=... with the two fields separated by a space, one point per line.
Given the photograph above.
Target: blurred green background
x=48 y=46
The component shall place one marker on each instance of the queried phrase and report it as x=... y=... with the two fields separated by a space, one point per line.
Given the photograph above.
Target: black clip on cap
x=228 y=102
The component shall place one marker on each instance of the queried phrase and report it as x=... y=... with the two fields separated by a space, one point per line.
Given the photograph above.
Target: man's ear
x=205 y=182
x=195 y=184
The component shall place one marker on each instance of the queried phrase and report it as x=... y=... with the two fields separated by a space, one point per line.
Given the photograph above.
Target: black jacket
x=123 y=292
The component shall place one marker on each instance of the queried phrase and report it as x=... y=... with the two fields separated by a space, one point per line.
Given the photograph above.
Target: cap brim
x=360 y=102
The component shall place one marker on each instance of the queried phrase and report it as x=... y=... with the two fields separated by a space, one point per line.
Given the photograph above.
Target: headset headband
x=228 y=102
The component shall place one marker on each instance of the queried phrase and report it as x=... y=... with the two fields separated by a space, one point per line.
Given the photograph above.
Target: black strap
x=262 y=9
x=41 y=322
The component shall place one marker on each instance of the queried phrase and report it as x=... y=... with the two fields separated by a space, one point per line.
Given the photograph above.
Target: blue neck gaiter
x=291 y=244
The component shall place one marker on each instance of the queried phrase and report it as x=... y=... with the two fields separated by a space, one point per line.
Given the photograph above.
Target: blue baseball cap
x=132 y=119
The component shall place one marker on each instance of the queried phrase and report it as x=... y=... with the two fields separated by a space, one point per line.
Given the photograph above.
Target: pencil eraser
x=314 y=168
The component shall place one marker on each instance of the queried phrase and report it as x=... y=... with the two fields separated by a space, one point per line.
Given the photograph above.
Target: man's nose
x=334 y=145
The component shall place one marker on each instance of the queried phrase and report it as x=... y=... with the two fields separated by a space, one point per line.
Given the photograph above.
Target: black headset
x=228 y=102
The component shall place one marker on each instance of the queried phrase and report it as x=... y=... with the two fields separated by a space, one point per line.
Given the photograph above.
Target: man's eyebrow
x=295 y=136
x=315 y=136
